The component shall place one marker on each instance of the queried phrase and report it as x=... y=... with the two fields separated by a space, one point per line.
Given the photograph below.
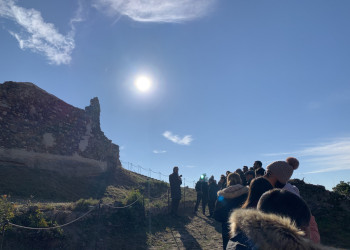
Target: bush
x=37 y=239
x=6 y=211
x=84 y=204
x=342 y=188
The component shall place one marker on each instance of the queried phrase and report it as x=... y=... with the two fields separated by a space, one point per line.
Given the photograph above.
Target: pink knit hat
x=283 y=170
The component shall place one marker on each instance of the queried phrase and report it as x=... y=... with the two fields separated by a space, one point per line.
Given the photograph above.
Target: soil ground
x=188 y=231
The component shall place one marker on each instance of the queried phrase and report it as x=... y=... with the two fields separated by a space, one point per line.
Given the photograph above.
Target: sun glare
x=143 y=83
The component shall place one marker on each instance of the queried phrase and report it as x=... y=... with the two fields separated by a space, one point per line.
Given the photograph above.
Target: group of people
x=258 y=208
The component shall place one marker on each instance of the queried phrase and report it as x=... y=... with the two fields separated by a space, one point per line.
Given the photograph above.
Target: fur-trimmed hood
x=233 y=191
x=270 y=231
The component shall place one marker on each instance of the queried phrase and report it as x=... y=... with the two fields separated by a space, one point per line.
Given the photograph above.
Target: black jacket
x=202 y=189
x=175 y=186
x=213 y=189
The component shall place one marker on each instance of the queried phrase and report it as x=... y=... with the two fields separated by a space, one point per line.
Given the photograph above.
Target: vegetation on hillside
x=343 y=188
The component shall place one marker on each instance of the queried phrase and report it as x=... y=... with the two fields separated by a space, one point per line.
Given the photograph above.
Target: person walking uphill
x=175 y=189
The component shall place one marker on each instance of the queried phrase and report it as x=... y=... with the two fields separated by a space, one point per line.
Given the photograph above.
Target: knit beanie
x=283 y=170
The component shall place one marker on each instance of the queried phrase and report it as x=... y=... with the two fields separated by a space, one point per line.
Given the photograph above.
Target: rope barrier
x=49 y=228
x=108 y=205
x=145 y=169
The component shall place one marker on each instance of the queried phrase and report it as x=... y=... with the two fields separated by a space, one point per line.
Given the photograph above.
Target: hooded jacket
x=229 y=198
x=252 y=229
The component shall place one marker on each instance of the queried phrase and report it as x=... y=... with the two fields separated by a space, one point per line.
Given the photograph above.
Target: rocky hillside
x=332 y=213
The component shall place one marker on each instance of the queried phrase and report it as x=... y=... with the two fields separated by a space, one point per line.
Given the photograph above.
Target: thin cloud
x=159 y=151
x=186 y=140
x=39 y=36
x=168 y=11
x=326 y=157
x=190 y=166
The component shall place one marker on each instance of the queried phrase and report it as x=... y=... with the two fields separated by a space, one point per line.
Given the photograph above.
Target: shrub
x=6 y=210
x=84 y=204
x=342 y=188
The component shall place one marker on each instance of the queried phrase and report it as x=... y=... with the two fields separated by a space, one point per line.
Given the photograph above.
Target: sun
x=143 y=83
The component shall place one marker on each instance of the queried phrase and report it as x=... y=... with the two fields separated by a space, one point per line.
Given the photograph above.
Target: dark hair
x=239 y=171
x=279 y=184
x=259 y=163
x=285 y=203
x=257 y=188
x=260 y=172
x=250 y=172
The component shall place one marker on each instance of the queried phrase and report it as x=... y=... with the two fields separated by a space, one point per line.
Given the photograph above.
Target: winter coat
x=202 y=189
x=175 y=186
x=229 y=198
x=252 y=229
x=213 y=189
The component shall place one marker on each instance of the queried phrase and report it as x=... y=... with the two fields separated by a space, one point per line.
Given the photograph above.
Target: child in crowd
x=281 y=221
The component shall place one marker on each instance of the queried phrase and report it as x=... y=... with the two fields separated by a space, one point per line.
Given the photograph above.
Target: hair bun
x=293 y=162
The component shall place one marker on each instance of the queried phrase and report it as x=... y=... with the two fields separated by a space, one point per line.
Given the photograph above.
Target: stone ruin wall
x=38 y=130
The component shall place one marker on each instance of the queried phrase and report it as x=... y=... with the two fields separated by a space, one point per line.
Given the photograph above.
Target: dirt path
x=186 y=232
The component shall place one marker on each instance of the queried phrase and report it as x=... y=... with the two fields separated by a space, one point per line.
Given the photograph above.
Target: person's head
x=239 y=171
x=222 y=177
x=279 y=172
x=233 y=179
x=245 y=169
x=227 y=173
x=259 y=172
x=176 y=169
x=249 y=176
x=257 y=188
x=211 y=179
x=285 y=203
x=257 y=164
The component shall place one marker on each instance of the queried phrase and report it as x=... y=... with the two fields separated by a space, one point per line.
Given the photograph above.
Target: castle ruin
x=38 y=130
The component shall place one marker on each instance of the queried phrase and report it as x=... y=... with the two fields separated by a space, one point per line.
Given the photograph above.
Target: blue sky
x=232 y=81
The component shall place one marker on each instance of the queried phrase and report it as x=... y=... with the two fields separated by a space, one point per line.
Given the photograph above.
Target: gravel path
x=186 y=232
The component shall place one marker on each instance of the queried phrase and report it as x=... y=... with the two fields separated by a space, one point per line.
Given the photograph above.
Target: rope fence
x=131 y=167
x=166 y=195
x=148 y=172
x=49 y=228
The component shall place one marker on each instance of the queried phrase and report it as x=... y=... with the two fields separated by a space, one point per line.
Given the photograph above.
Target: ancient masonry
x=38 y=130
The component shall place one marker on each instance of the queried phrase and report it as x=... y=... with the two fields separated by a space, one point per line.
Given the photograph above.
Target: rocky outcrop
x=38 y=130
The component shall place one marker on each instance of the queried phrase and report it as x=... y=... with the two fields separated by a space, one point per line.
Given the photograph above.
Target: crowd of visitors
x=258 y=208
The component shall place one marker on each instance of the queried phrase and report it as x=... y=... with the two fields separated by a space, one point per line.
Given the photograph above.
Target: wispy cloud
x=159 y=151
x=190 y=166
x=186 y=140
x=171 y=11
x=328 y=156
x=39 y=36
